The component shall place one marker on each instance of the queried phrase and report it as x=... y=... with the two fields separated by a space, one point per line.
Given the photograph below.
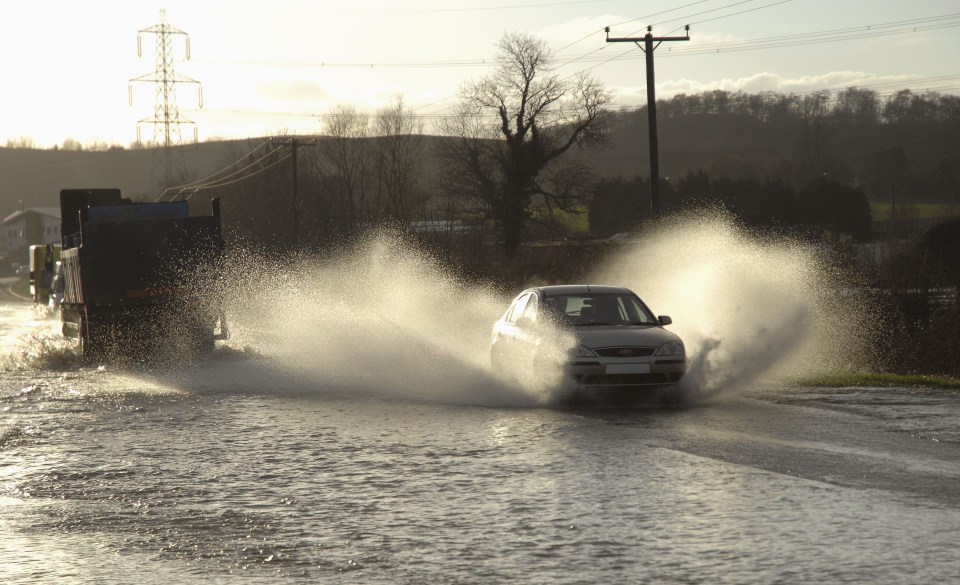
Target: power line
x=686 y=19
x=904 y=26
x=244 y=178
x=728 y=15
x=599 y=30
x=836 y=35
x=224 y=180
x=207 y=180
x=657 y=14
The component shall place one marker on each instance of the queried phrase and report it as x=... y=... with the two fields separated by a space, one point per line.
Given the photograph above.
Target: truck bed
x=139 y=274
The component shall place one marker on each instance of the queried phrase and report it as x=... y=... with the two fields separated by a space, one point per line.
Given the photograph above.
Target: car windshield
x=583 y=309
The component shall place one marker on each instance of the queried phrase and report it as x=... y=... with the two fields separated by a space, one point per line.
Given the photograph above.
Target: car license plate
x=628 y=368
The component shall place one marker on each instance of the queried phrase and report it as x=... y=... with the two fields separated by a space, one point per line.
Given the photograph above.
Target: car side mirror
x=664 y=320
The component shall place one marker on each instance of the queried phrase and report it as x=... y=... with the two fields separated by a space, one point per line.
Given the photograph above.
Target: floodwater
x=326 y=444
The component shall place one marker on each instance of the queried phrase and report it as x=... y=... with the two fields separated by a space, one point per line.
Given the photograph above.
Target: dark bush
x=826 y=204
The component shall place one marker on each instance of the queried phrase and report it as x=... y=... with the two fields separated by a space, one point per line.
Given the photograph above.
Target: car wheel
x=672 y=396
x=496 y=361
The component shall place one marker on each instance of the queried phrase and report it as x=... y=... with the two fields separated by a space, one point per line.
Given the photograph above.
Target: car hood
x=620 y=335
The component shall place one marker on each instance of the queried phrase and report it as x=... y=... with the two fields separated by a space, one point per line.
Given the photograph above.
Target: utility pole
x=295 y=145
x=648 y=48
x=166 y=118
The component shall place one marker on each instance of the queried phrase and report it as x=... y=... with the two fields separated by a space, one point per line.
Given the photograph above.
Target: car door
x=527 y=334
x=505 y=337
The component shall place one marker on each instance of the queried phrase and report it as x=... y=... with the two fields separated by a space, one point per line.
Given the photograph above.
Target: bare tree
x=816 y=129
x=859 y=106
x=21 y=142
x=72 y=144
x=511 y=131
x=399 y=154
x=345 y=153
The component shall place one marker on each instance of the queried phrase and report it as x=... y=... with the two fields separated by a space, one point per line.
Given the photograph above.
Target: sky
x=277 y=67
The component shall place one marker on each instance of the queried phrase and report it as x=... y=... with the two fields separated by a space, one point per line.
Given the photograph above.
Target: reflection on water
x=190 y=485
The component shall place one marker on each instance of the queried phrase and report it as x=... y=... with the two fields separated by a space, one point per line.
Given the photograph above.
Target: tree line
x=851 y=105
x=822 y=205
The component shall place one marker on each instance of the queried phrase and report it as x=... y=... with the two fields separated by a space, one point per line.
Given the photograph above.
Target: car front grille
x=624 y=352
x=627 y=379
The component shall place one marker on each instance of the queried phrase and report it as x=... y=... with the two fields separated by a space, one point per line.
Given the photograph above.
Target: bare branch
x=514 y=130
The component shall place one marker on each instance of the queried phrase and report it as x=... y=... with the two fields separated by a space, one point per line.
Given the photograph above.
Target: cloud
x=586 y=34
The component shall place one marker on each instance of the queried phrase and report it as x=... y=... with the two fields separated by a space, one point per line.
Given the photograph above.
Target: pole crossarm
x=641 y=39
x=648 y=47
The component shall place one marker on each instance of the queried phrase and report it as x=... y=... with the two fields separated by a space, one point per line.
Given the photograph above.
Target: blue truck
x=139 y=278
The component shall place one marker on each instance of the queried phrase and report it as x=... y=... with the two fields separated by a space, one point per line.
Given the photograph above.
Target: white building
x=24 y=228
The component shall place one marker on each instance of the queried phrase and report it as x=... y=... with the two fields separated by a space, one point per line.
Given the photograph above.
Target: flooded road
x=242 y=469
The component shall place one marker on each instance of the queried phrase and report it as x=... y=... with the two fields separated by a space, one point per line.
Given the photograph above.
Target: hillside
x=789 y=138
x=35 y=177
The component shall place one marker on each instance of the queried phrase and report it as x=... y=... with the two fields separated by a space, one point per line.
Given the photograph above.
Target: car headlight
x=670 y=348
x=581 y=352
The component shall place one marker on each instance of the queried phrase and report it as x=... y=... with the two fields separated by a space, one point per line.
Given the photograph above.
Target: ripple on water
x=304 y=487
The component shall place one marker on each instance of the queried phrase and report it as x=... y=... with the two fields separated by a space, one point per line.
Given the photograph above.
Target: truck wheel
x=203 y=343
x=85 y=345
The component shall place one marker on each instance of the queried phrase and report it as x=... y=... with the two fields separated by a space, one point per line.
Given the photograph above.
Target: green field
x=881 y=211
x=874 y=380
x=577 y=221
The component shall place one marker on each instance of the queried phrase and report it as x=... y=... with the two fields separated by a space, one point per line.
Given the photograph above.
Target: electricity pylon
x=166 y=118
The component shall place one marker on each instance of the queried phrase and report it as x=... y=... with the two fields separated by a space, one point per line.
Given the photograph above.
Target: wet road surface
x=237 y=470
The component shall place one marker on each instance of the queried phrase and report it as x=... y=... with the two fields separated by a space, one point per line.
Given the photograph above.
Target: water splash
x=747 y=307
x=386 y=319
x=383 y=319
x=32 y=340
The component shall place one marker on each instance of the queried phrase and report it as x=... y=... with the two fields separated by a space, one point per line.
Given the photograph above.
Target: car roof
x=572 y=289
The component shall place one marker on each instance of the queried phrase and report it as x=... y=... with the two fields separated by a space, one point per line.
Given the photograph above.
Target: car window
x=530 y=311
x=600 y=308
x=517 y=310
x=636 y=312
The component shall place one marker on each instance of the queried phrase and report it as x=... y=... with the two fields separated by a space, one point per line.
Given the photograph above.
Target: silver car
x=607 y=337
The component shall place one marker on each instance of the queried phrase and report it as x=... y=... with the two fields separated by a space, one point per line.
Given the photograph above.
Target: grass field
x=881 y=211
x=576 y=222
x=873 y=380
